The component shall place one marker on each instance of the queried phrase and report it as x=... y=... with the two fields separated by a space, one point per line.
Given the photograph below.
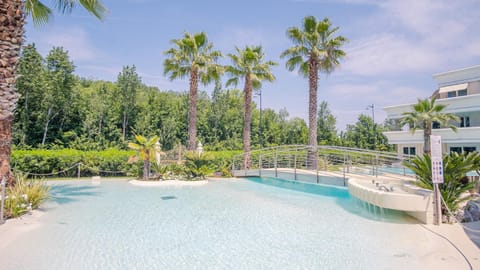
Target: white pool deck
x=437 y=256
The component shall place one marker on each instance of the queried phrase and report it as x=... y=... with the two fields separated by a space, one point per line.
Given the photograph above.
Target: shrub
x=198 y=166
x=63 y=162
x=25 y=195
x=455 y=168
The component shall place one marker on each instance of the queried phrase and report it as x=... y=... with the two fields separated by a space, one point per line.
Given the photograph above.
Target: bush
x=221 y=161
x=62 y=163
x=198 y=166
x=25 y=195
x=455 y=167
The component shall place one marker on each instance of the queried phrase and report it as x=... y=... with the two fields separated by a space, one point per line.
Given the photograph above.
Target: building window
x=469 y=149
x=462 y=92
x=435 y=125
x=456 y=149
x=464 y=121
x=409 y=151
x=452 y=94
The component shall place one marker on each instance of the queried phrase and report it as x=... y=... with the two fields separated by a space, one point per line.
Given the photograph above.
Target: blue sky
x=394 y=46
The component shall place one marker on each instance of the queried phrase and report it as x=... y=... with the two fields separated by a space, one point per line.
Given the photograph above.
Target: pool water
x=225 y=224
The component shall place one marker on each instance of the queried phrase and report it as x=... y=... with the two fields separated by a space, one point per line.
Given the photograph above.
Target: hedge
x=110 y=162
x=64 y=162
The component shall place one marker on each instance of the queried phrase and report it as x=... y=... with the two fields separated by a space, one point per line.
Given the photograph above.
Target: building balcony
x=463 y=135
x=456 y=105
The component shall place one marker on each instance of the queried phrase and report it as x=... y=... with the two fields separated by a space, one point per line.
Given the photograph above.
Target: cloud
x=410 y=35
x=73 y=39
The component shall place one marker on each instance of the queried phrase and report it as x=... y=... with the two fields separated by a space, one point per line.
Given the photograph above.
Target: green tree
x=364 y=135
x=58 y=95
x=326 y=123
x=128 y=83
x=249 y=64
x=145 y=148
x=13 y=29
x=316 y=49
x=424 y=113
x=193 y=56
x=31 y=85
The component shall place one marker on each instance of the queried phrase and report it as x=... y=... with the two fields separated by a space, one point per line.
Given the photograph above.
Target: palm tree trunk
x=146 y=166
x=5 y=149
x=427 y=131
x=12 y=21
x=192 y=114
x=312 y=113
x=247 y=122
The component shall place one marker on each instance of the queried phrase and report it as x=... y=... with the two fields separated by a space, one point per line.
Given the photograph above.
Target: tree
x=363 y=135
x=128 y=82
x=193 y=56
x=326 y=124
x=316 y=49
x=12 y=27
x=423 y=115
x=31 y=85
x=249 y=64
x=58 y=95
x=145 y=148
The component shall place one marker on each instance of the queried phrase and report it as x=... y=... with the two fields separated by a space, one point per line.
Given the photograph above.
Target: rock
x=472 y=211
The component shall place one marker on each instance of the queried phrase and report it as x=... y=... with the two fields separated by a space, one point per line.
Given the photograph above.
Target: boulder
x=472 y=211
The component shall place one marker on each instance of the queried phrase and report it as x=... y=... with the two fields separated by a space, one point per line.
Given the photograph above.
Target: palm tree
x=423 y=115
x=249 y=65
x=316 y=49
x=193 y=56
x=12 y=27
x=145 y=148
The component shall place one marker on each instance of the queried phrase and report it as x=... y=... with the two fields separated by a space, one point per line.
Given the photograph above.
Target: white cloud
x=410 y=35
x=73 y=39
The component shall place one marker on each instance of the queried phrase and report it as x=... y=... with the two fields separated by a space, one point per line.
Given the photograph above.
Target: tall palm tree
x=12 y=28
x=423 y=115
x=193 y=56
x=316 y=49
x=249 y=64
x=145 y=148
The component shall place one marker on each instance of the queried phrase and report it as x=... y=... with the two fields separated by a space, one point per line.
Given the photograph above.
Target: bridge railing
x=298 y=159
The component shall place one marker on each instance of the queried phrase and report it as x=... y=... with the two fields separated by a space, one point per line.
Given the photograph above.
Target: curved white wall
x=415 y=201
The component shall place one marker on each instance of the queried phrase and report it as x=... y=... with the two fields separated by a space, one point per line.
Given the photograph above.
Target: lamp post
x=372 y=107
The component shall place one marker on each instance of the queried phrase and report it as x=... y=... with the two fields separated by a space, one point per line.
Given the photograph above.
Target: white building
x=459 y=90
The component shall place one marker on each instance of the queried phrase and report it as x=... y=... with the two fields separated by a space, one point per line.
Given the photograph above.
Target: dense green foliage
x=455 y=169
x=365 y=134
x=64 y=162
x=90 y=115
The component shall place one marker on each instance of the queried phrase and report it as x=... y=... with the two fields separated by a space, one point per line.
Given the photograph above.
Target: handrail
x=353 y=160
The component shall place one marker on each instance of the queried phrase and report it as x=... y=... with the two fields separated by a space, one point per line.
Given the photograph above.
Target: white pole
x=437 y=206
x=437 y=176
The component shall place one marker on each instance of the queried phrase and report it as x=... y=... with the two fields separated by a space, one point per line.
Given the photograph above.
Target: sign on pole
x=437 y=161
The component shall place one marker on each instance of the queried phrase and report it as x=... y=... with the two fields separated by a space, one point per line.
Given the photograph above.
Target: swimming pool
x=225 y=224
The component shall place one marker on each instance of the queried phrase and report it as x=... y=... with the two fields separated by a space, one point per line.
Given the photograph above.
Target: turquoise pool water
x=225 y=224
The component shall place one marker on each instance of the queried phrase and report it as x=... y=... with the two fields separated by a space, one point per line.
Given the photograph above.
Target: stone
x=472 y=211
